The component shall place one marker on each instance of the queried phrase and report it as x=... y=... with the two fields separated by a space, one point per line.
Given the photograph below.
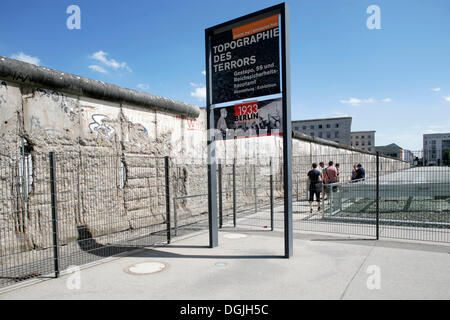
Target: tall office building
x=334 y=129
x=436 y=149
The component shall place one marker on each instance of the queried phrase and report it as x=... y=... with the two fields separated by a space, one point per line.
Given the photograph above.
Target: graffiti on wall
x=193 y=124
x=3 y=87
x=99 y=126
x=34 y=123
x=68 y=106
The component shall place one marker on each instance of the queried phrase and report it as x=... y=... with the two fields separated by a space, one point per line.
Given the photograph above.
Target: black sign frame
x=283 y=10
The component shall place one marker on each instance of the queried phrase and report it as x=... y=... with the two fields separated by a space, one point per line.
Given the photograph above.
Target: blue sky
x=395 y=80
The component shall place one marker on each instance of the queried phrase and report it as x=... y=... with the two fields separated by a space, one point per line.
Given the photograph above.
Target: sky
x=394 y=79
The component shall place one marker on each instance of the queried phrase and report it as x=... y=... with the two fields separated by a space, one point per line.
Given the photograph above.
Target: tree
x=446 y=158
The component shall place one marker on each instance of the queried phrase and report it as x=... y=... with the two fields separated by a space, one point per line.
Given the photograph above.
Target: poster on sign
x=245 y=60
x=249 y=119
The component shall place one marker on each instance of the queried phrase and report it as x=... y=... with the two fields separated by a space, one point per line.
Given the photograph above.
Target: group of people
x=319 y=178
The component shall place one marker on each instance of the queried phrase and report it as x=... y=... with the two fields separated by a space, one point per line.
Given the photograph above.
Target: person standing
x=353 y=173
x=329 y=177
x=337 y=169
x=322 y=169
x=315 y=186
x=322 y=166
x=360 y=172
x=222 y=123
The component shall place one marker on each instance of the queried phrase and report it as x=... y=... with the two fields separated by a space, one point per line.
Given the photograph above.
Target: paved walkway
x=248 y=264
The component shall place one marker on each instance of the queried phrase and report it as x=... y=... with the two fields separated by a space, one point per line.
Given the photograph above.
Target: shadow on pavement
x=90 y=245
x=153 y=253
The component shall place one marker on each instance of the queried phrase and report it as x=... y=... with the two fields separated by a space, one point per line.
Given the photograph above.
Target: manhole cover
x=146 y=268
x=235 y=235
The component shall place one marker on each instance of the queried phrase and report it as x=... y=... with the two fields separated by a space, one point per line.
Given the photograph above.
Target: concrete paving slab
x=252 y=267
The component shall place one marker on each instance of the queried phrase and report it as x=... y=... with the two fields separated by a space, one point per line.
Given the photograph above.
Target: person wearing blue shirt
x=360 y=172
x=315 y=186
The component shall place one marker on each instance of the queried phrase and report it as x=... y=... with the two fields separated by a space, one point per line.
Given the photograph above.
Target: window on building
x=328 y=126
x=336 y=134
x=357 y=137
x=370 y=149
x=362 y=137
x=312 y=127
x=320 y=134
x=357 y=143
x=337 y=125
x=369 y=143
x=312 y=134
x=304 y=127
x=369 y=136
x=328 y=135
x=363 y=144
x=320 y=126
x=433 y=141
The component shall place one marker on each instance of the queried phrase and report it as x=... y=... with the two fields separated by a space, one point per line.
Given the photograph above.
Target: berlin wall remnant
x=110 y=143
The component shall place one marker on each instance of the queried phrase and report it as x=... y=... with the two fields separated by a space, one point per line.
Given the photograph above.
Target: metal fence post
x=271 y=195
x=167 y=174
x=220 y=196
x=234 y=192
x=175 y=216
x=54 y=200
x=254 y=186
x=377 y=197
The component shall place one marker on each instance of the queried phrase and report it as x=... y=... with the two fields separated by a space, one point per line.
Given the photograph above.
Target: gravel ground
x=423 y=209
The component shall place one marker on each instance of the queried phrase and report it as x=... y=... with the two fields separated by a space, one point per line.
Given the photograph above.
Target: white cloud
x=437 y=128
x=370 y=100
x=356 y=101
x=436 y=89
x=26 y=58
x=204 y=72
x=337 y=114
x=98 y=69
x=143 y=86
x=352 y=101
x=447 y=98
x=101 y=57
x=199 y=93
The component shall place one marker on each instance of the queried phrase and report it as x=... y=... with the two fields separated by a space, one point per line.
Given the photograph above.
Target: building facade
x=334 y=129
x=436 y=149
x=391 y=150
x=364 y=140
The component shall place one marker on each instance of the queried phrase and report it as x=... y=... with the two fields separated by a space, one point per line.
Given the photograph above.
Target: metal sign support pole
x=287 y=133
x=212 y=179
